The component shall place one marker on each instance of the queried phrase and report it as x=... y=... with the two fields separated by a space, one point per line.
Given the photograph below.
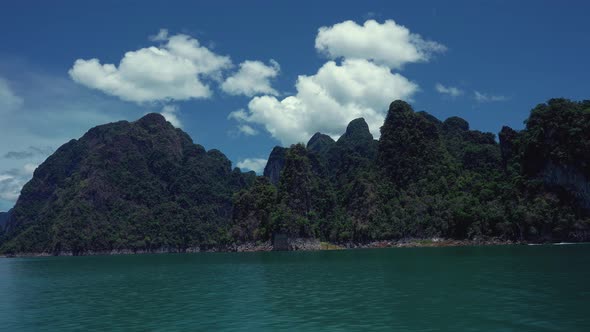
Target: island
x=145 y=187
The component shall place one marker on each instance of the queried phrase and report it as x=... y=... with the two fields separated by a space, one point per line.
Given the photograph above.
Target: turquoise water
x=511 y=288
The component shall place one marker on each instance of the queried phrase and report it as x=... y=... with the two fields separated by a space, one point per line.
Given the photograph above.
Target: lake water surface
x=504 y=288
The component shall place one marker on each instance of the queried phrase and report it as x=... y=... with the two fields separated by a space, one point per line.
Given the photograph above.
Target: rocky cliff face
x=4 y=218
x=555 y=147
x=508 y=143
x=275 y=163
x=570 y=179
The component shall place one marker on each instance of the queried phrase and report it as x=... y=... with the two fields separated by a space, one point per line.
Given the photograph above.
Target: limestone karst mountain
x=145 y=186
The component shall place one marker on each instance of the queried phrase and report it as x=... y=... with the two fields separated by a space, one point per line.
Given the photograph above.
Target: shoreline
x=301 y=245
x=438 y=242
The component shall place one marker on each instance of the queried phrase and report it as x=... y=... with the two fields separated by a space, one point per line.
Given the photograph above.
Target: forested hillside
x=431 y=178
x=141 y=185
x=144 y=186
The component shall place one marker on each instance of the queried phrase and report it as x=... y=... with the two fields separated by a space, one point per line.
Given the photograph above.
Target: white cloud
x=252 y=78
x=9 y=101
x=247 y=130
x=30 y=152
x=12 y=181
x=253 y=164
x=29 y=168
x=169 y=113
x=176 y=70
x=448 y=90
x=242 y=116
x=239 y=115
x=10 y=187
x=485 y=98
x=386 y=43
x=161 y=36
x=329 y=100
x=358 y=83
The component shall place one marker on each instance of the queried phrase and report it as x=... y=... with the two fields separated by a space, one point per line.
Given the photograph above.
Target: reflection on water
x=514 y=288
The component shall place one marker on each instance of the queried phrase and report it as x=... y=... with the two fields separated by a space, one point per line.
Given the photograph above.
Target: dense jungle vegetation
x=145 y=185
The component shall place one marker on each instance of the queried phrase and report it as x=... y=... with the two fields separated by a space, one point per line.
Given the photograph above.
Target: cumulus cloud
x=252 y=78
x=239 y=115
x=385 y=43
x=169 y=113
x=12 y=181
x=247 y=130
x=448 y=90
x=18 y=154
x=329 y=100
x=242 y=116
x=485 y=98
x=30 y=152
x=9 y=101
x=253 y=164
x=359 y=82
x=162 y=35
x=179 y=69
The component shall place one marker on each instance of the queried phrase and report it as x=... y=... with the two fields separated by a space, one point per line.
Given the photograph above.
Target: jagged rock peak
x=319 y=142
x=357 y=130
x=319 y=137
x=153 y=120
x=400 y=106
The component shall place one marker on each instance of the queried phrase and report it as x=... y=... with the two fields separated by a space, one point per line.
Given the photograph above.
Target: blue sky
x=243 y=77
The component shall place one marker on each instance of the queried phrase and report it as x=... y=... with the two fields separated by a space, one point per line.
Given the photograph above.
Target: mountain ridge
x=145 y=186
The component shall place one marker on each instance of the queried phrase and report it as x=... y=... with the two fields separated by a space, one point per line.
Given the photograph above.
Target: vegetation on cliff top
x=146 y=186
x=431 y=178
